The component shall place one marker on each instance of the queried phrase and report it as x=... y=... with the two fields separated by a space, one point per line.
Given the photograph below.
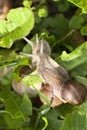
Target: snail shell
x=20 y=88
x=73 y=92
x=48 y=92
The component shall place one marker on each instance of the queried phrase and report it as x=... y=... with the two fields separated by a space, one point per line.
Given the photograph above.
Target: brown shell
x=48 y=92
x=73 y=92
x=20 y=88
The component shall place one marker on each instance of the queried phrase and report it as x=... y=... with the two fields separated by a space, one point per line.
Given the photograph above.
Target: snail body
x=56 y=85
x=44 y=63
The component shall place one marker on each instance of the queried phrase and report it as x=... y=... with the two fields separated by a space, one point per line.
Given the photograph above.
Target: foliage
x=64 y=26
x=81 y=4
x=12 y=30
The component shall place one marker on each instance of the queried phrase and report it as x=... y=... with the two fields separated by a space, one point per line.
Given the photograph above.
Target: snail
x=36 y=50
x=56 y=84
x=45 y=65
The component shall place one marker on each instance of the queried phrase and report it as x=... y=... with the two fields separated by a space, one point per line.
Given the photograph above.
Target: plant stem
x=67 y=35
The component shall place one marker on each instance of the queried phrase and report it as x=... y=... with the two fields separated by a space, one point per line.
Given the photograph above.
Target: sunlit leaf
x=15 y=26
x=46 y=123
x=81 y=4
x=43 y=12
x=84 y=30
x=32 y=80
x=75 y=58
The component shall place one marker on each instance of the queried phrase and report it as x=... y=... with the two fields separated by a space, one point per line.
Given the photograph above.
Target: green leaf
x=27 y=49
x=27 y=3
x=3 y=111
x=75 y=62
x=76 y=58
x=43 y=12
x=60 y=25
x=19 y=23
x=81 y=4
x=63 y=6
x=81 y=80
x=75 y=121
x=26 y=105
x=32 y=79
x=1 y=123
x=21 y=68
x=84 y=30
x=42 y=111
x=53 y=122
x=12 y=106
x=76 y=22
x=46 y=123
